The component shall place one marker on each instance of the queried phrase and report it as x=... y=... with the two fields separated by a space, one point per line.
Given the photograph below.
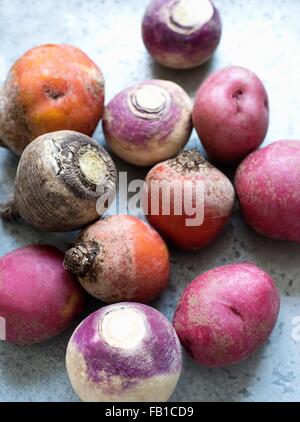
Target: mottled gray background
x=263 y=35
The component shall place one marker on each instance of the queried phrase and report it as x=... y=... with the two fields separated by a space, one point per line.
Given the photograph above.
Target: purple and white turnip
x=181 y=34
x=61 y=179
x=231 y=114
x=38 y=297
x=226 y=313
x=268 y=187
x=148 y=122
x=124 y=352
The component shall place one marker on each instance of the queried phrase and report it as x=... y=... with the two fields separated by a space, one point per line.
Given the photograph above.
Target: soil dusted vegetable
x=61 y=180
x=148 y=122
x=124 y=352
x=181 y=34
x=231 y=114
x=188 y=200
x=268 y=186
x=51 y=87
x=119 y=259
x=226 y=313
x=38 y=297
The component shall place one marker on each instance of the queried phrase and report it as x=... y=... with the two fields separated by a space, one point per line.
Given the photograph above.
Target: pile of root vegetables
x=50 y=105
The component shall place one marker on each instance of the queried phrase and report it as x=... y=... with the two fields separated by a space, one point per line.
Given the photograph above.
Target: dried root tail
x=9 y=212
x=80 y=258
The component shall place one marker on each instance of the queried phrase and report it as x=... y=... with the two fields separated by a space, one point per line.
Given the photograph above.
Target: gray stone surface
x=262 y=35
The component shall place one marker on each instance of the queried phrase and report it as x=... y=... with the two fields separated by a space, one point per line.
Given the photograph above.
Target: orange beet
x=50 y=88
x=120 y=258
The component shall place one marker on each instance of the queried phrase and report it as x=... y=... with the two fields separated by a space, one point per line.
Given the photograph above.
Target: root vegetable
x=51 y=87
x=226 y=313
x=61 y=179
x=120 y=258
x=38 y=297
x=124 y=352
x=148 y=122
x=188 y=200
x=268 y=187
x=181 y=34
x=231 y=114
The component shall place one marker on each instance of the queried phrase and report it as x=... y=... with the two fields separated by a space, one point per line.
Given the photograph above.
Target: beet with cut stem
x=120 y=258
x=188 y=200
x=181 y=34
x=124 y=352
x=148 y=122
x=60 y=179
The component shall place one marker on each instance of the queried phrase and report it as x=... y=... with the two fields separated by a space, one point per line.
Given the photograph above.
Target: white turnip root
x=60 y=179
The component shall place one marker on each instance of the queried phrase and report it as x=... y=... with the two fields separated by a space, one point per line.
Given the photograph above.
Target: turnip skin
x=38 y=297
x=101 y=371
x=268 y=187
x=231 y=114
x=144 y=138
x=189 y=166
x=179 y=47
x=226 y=313
x=53 y=193
x=51 y=87
x=120 y=258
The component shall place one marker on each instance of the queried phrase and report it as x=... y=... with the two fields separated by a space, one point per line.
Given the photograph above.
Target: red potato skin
x=50 y=88
x=231 y=114
x=38 y=298
x=226 y=313
x=268 y=187
x=132 y=263
x=219 y=200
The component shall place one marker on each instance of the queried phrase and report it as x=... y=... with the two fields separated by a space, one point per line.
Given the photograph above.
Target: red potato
x=148 y=122
x=200 y=217
x=226 y=313
x=231 y=114
x=268 y=186
x=120 y=258
x=38 y=297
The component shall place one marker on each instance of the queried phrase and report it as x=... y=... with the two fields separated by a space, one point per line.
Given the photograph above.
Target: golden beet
x=51 y=87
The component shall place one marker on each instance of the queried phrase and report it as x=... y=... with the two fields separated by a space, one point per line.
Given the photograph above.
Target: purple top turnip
x=148 y=122
x=181 y=34
x=124 y=352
